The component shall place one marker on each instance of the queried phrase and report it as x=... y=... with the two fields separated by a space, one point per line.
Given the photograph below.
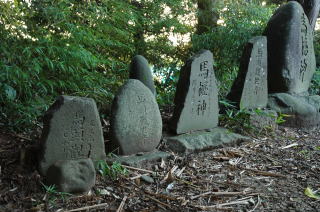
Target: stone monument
x=311 y=9
x=196 y=98
x=140 y=70
x=291 y=58
x=136 y=124
x=250 y=90
x=72 y=130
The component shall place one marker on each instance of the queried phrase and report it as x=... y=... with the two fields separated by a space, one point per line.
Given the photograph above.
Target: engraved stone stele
x=140 y=70
x=311 y=9
x=291 y=58
x=72 y=130
x=136 y=124
x=72 y=176
x=196 y=98
x=250 y=89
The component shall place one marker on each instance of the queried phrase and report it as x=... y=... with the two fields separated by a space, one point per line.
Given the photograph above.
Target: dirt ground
x=269 y=173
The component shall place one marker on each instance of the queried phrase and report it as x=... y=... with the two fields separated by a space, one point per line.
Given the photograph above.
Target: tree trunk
x=207 y=17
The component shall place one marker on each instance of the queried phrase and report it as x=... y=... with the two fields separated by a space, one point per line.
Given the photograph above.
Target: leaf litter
x=279 y=172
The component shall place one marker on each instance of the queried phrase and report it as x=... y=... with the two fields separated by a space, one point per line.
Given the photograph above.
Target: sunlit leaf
x=312 y=194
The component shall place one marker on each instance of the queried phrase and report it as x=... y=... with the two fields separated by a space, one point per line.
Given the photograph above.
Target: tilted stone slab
x=291 y=58
x=250 y=89
x=196 y=98
x=136 y=124
x=72 y=130
x=201 y=141
x=140 y=70
x=72 y=176
x=302 y=111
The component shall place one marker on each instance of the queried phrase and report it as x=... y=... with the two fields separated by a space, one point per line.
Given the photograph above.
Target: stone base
x=140 y=160
x=302 y=111
x=203 y=140
x=264 y=119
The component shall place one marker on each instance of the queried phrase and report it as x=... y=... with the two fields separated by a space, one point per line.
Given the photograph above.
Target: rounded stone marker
x=72 y=176
x=136 y=124
x=140 y=70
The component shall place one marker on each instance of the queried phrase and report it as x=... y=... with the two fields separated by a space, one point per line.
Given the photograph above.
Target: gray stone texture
x=140 y=70
x=291 y=58
x=264 y=119
x=72 y=130
x=136 y=124
x=72 y=176
x=196 y=98
x=311 y=9
x=201 y=141
x=303 y=111
x=250 y=89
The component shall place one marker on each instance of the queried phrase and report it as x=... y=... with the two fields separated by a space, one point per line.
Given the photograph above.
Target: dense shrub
x=73 y=47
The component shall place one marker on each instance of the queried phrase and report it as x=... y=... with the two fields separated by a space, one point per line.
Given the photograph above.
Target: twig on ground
x=158 y=201
x=160 y=195
x=190 y=184
x=139 y=176
x=122 y=204
x=180 y=172
x=242 y=202
x=289 y=146
x=137 y=169
x=223 y=194
x=258 y=203
x=21 y=137
x=265 y=173
x=89 y=207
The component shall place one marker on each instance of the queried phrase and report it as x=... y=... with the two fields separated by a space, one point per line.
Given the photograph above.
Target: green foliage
x=49 y=48
x=241 y=121
x=234 y=119
x=241 y=21
x=314 y=88
x=281 y=118
x=53 y=194
x=113 y=171
x=312 y=194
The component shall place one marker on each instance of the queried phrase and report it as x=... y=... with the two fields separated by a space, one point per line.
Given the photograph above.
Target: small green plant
x=53 y=194
x=113 y=171
x=234 y=119
x=281 y=118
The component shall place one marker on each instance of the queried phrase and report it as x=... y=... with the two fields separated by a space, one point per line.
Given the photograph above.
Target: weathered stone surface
x=136 y=124
x=264 y=119
x=311 y=9
x=72 y=130
x=250 y=89
x=145 y=160
x=303 y=111
x=201 y=141
x=291 y=59
x=140 y=70
x=196 y=98
x=72 y=176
